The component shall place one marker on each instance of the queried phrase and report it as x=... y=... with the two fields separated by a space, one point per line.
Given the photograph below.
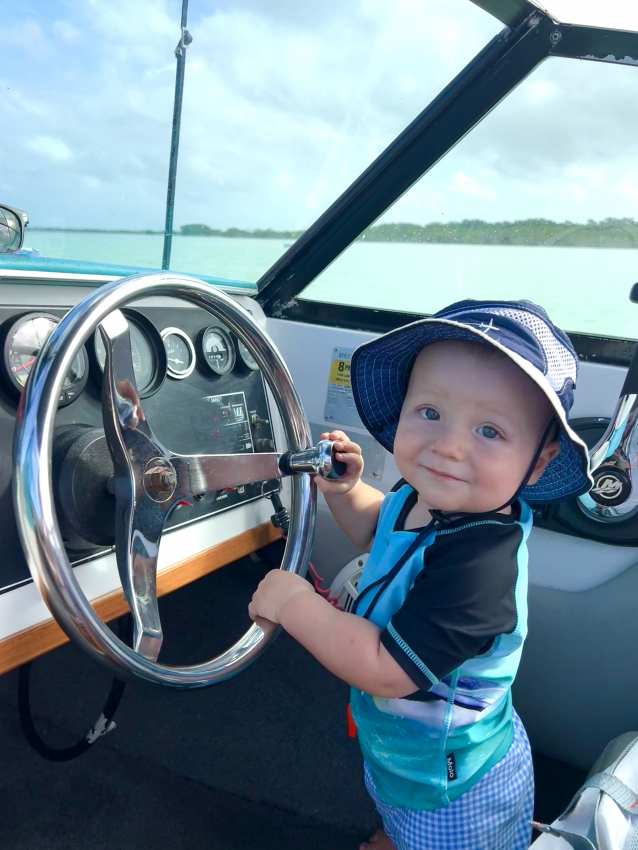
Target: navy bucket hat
x=521 y=330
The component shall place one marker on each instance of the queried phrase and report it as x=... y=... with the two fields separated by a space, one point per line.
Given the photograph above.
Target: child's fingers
x=334 y=435
x=352 y=461
x=347 y=449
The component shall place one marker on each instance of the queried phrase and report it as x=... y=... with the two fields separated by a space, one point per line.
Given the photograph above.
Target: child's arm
x=347 y=645
x=354 y=505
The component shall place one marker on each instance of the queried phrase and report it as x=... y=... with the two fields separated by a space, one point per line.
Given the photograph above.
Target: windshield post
x=180 y=54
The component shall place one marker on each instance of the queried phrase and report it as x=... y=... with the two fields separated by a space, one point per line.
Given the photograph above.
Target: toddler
x=473 y=403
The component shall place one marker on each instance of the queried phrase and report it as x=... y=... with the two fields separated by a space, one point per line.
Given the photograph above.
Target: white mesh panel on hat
x=561 y=364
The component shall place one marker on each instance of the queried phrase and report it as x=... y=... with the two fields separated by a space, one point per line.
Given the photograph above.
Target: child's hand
x=273 y=592
x=350 y=454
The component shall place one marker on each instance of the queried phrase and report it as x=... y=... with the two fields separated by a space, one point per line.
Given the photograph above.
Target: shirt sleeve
x=462 y=599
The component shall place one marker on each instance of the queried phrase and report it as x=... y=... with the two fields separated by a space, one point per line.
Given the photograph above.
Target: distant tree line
x=237 y=233
x=608 y=233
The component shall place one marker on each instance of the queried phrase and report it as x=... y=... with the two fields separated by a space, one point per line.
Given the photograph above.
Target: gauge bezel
x=179 y=376
x=242 y=359
x=155 y=343
x=232 y=355
x=14 y=386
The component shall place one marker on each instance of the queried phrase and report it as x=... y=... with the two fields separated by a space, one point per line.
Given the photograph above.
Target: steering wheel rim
x=33 y=486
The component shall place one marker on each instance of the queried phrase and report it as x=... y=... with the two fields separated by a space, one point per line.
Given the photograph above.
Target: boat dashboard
x=201 y=391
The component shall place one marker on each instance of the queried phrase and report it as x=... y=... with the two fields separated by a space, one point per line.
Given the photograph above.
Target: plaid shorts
x=492 y=815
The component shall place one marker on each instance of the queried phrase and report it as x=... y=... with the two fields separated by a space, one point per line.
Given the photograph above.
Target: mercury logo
x=608 y=487
x=611 y=487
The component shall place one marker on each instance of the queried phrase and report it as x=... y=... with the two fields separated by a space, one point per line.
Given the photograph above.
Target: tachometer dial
x=246 y=357
x=147 y=353
x=218 y=351
x=180 y=352
x=24 y=342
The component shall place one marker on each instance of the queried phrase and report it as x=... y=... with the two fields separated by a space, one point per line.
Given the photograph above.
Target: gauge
x=180 y=352
x=147 y=353
x=246 y=357
x=141 y=355
x=217 y=349
x=24 y=342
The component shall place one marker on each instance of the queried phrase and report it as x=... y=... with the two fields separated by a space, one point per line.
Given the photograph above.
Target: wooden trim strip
x=43 y=637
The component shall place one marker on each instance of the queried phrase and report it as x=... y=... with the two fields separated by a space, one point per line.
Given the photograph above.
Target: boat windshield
x=540 y=201
x=284 y=105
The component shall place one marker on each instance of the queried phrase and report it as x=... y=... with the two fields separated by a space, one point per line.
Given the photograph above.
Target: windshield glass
x=285 y=103
x=540 y=201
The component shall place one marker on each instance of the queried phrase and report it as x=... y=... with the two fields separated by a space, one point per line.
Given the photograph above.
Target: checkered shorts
x=492 y=815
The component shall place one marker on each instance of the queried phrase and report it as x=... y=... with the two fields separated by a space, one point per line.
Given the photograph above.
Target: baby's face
x=469 y=428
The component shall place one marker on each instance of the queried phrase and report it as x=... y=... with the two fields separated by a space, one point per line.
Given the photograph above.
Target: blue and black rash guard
x=451 y=600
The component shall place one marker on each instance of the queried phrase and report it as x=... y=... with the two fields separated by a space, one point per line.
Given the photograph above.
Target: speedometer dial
x=23 y=344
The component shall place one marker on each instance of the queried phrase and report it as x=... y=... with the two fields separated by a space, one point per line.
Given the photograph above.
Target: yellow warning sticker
x=340 y=407
x=340 y=373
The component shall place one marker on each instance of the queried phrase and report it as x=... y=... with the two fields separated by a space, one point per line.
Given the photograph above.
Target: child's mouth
x=442 y=475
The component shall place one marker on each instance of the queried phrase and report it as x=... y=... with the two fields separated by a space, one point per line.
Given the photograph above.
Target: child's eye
x=429 y=413
x=489 y=432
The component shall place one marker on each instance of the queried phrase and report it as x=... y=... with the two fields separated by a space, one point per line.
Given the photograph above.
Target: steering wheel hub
x=160 y=479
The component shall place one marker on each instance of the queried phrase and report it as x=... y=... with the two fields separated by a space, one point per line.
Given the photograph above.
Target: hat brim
x=380 y=374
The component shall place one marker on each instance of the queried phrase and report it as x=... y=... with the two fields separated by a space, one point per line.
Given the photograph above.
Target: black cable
x=281 y=518
x=102 y=726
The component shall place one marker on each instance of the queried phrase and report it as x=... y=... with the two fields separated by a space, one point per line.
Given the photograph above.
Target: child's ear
x=550 y=450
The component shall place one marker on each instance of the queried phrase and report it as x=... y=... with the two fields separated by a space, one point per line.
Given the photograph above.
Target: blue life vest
x=423 y=755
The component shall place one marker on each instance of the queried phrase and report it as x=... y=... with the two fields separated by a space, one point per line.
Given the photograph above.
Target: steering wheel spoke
x=137 y=548
x=206 y=473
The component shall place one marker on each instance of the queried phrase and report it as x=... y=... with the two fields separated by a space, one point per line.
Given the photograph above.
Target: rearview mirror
x=12 y=224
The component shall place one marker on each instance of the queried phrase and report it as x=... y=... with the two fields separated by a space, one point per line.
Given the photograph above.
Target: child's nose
x=451 y=443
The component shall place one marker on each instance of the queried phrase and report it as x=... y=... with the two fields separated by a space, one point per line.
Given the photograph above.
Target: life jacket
x=424 y=754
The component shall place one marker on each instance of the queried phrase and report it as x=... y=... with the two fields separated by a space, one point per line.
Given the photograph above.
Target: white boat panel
x=23 y=607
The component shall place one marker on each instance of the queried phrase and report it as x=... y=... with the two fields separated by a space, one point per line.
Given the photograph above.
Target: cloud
x=285 y=104
x=55 y=150
x=613 y=14
x=468 y=186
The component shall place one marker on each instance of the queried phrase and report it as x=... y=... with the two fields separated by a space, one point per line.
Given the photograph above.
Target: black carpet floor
x=260 y=761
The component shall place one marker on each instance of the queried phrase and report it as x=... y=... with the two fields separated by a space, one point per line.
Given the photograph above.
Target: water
x=583 y=289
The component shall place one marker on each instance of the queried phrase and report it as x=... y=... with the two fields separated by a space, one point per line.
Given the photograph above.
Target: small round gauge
x=246 y=357
x=24 y=342
x=180 y=352
x=217 y=350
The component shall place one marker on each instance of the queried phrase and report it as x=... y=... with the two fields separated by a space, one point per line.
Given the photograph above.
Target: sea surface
x=583 y=289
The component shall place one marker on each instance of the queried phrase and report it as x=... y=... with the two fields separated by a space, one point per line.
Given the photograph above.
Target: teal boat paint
x=83 y=267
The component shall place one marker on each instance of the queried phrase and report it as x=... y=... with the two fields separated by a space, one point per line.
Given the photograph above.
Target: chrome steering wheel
x=149 y=479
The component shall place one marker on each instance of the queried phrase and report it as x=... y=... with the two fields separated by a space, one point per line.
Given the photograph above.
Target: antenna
x=180 y=54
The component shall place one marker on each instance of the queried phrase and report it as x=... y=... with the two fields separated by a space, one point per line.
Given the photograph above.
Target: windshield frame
x=531 y=35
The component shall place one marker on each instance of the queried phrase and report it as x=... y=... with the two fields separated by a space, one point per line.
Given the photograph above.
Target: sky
x=285 y=104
